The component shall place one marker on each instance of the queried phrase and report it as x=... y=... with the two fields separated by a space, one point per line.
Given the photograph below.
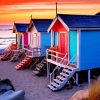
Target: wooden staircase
x=6 y=55
x=67 y=72
x=17 y=55
x=40 y=68
x=24 y=63
x=60 y=81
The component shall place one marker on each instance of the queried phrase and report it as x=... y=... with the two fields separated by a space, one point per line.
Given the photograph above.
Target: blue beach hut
x=21 y=34
x=81 y=47
x=39 y=38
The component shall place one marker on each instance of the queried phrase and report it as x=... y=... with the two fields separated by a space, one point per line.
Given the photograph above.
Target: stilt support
x=77 y=78
x=89 y=77
x=48 y=69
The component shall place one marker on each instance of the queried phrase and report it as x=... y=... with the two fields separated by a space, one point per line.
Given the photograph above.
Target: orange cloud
x=10 y=12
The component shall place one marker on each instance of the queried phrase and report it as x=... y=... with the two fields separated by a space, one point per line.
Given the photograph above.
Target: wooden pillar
x=22 y=40
x=77 y=76
x=78 y=43
x=16 y=39
x=89 y=77
x=48 y=69
x=52 y=38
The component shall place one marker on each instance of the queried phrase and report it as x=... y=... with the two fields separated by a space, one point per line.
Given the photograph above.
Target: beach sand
x=35 y=87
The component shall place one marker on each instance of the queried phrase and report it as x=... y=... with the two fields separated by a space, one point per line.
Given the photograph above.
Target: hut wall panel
x=26 y=38
x=89 y=49
x=45 y=41
x=72 y=45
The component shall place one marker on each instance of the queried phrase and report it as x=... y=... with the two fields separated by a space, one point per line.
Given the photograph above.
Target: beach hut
x=77 y=47
x=39 y=38
x=21 y=35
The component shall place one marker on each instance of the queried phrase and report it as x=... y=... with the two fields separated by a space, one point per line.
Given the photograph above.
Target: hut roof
x=81 y=21
x=21 y=27
x=42 y=24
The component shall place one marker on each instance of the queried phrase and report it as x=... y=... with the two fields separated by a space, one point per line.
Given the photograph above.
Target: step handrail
x=56 y=68
x=72 y=59
x=55 y=51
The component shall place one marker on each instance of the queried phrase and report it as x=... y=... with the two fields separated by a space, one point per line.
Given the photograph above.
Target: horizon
x=21 y=10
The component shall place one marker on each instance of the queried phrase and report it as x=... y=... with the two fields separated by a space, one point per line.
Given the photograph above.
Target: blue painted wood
x=89 y=49
x=55 y=38
x=72 y=45
x=18 y=41
x=45 y=41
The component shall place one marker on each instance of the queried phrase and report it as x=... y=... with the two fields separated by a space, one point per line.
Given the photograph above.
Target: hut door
x=62 y=42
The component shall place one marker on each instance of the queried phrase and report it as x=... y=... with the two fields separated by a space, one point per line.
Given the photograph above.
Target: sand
x=35 y=87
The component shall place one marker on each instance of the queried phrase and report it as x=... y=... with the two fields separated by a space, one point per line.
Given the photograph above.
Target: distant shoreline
x=7 y=37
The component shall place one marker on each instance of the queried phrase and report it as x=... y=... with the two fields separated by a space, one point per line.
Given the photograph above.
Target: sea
x=7 y=37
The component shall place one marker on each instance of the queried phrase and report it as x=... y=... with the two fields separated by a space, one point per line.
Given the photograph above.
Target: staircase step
x=25 y=60
x=57 y=81
x=37 y=68
x=51 y=87
x=36 y=72
x=20 y=64
x=63 y=74
x=61 y=78
x=29 y=56
x=42 y=64
x=71 y=68
x=66 y=71
x=55 y=84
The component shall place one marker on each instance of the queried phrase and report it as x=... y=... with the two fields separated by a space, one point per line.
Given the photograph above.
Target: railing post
x=56 y=56
x=50 y=78
x=53 y=75
x=46 y=54
x=48 y=70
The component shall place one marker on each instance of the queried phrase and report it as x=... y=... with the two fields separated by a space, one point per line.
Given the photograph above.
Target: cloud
x=22 y=11
x=47 y=6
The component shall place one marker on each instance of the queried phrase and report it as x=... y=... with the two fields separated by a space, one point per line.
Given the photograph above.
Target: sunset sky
x=21 y=10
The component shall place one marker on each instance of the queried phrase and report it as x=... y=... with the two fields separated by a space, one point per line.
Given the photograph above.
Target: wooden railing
x=56 y=56
x=58 y=67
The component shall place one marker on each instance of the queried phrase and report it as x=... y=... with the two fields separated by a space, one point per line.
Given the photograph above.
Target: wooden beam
x=89 y=77
x=52 y=38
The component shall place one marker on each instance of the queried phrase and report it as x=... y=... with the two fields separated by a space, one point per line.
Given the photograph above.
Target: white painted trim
x=22 y=40
x=78 y=42
x=52 y=38
x=57 y=38
x=68 y=48
x=40 y=39
x=54 y=21
x=66 y=27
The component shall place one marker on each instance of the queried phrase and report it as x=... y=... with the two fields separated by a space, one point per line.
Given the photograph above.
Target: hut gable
x=41 y=24
x=20 y=27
